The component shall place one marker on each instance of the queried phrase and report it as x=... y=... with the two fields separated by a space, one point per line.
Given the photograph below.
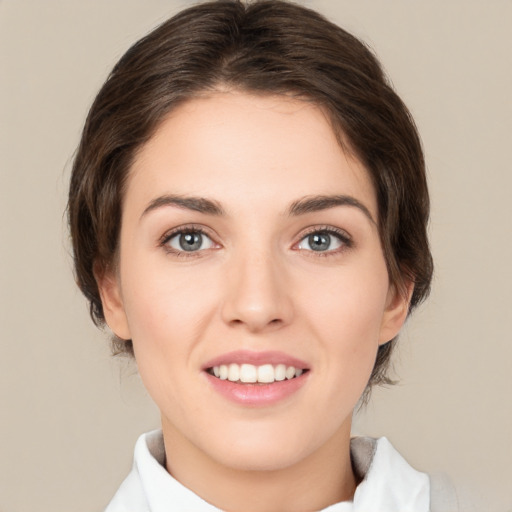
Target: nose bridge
x=257 y=295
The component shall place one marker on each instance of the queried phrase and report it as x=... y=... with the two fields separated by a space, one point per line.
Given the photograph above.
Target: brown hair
x=268 y=46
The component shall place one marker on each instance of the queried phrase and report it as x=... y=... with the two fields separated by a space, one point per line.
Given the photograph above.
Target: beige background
x=70 y=415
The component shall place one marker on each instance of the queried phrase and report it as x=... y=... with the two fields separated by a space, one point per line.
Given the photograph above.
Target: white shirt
x=389 y=484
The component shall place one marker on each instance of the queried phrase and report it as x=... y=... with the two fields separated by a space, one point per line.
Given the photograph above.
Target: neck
x=321 y=479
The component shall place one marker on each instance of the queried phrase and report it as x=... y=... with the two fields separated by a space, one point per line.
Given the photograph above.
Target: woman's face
x=249 y=250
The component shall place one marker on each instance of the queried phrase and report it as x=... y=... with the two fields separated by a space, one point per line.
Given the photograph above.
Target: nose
x=257 y=294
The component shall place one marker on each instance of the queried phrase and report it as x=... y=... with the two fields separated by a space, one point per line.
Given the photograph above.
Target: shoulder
x=387 y=480
x=130 y=496
x=443 y=496
x=149 y=487
x=148 y=456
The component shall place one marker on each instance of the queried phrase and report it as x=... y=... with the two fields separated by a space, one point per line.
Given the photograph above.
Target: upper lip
x=256 y=358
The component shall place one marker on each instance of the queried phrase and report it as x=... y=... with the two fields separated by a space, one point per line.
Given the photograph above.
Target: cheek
x=167 y=315
x=163 y=309
x=349 y=306
x=347 y=318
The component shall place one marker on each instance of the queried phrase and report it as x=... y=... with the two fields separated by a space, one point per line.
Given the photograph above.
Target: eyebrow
x=324 y=202
x=308 y=204
x=197 y=204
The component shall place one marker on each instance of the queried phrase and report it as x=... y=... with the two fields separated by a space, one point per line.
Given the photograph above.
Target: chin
x=257 y=458
x=260 y=449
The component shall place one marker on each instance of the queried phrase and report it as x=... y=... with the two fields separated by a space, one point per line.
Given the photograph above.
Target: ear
x=397 y=307
x=112 y=302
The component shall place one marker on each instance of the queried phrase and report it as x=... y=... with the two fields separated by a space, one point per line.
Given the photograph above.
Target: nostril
x=255 y=325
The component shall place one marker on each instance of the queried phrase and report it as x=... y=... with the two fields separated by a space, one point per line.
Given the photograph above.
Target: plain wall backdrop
x=69 y=414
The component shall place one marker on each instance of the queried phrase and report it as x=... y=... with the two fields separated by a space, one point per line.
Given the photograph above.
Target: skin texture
x=256 y=285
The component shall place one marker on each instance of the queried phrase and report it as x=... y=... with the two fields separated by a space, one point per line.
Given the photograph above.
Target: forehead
x=241 y=148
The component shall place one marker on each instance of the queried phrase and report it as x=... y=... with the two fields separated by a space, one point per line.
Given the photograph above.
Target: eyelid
x=341 y=234
x=186 y=228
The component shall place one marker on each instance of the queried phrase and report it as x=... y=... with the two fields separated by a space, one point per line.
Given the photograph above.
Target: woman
x=248 y=208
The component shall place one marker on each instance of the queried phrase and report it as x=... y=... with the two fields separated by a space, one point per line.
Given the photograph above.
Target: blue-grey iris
x=319 y=241
x=191 y=241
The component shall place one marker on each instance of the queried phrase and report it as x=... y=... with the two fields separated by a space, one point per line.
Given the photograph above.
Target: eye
x=188 y=241
x=324 y=240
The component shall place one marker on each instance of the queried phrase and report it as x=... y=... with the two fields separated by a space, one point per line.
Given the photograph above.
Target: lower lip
x=257 y=395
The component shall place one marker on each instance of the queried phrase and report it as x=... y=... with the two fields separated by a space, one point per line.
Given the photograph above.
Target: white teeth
x=233 y=372
x=249 y=373
x=266 y=373
x=223 y=372
x=280 y=372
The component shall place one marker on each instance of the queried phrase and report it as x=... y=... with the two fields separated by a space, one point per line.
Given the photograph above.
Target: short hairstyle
x=261 y=47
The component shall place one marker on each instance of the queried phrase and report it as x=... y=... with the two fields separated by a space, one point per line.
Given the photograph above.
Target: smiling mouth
x=251 y=374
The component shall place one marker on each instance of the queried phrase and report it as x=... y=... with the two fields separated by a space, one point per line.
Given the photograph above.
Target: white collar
x=389 y=484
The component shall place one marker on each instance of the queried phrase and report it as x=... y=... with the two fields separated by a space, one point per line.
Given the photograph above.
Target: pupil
x=319 y=242
x=191 y=241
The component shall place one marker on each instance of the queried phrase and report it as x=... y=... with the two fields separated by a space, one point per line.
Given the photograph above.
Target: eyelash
x=342 y=236
x=191 y=229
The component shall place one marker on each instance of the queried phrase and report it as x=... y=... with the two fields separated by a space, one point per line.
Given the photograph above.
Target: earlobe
x=395 y=314
x=112 y=302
